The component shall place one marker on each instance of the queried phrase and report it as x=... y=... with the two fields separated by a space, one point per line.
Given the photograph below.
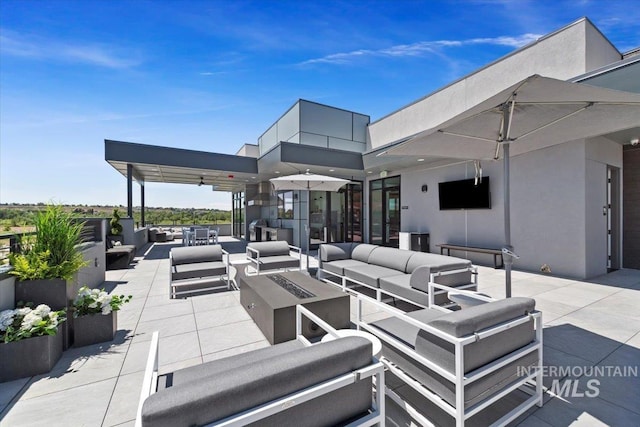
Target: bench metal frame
x=531 y=383
x=495 y=252
x=376 y=415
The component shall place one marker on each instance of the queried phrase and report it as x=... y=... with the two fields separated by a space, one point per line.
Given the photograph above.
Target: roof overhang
x=152 y=163
x=288 y=158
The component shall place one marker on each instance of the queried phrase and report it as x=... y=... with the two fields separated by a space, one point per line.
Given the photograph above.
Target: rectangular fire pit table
x=271 y=301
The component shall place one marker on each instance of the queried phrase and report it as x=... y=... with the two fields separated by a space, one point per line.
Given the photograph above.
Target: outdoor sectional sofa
x=293 y=383
x=464 y=361
x=395 y=272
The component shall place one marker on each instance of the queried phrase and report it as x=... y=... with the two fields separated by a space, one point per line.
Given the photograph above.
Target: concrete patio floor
x=587 y=323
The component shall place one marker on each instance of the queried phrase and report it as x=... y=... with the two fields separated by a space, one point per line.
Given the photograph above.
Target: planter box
x=29 y=357
x=94 y=328
x=56 y=293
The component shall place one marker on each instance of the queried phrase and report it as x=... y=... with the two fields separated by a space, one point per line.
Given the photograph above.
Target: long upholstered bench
x=293 y=383
x=395 y=272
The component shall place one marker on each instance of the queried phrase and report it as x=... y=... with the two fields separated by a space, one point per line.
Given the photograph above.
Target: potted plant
x=29 y=342
x=47 y=262
x=115 y=227
x=95 y=312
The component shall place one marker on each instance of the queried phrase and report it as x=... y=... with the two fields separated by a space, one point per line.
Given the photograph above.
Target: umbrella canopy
x=308 y=181
x=535 y=113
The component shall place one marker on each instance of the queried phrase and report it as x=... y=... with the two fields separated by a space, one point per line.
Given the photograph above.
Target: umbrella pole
x=507 y=251
x=307 y=228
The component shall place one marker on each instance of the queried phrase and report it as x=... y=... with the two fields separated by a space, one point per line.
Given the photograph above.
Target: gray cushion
x=474 y=319
x=435 y=262
x=246 y=386
x=361 y=252
x=400 y=285
x=421 y=276
x=193 y=373
x=200 y=269
x=369 y=274
x=390 y=258
x=404 y=331
x=280 y=247
x=195 y=254
x=278 y=262
x=335 y=251
x=338 y=266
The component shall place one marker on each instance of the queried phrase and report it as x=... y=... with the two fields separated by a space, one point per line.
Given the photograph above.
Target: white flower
x=30 y=320
x=42 y=310
x=94 y=304
x=53 y=318
x=106 y=309
x=23 y=311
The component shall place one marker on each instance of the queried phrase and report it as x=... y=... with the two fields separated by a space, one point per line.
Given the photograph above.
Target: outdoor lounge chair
x=463 y=361
x=293 y=383
x=193 y=266
x=263 y=256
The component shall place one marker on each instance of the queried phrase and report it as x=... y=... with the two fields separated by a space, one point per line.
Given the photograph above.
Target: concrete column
x=129 y=190
x=142 y=223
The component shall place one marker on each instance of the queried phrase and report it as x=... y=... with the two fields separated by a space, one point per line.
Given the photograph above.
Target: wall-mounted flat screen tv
x=464 y=194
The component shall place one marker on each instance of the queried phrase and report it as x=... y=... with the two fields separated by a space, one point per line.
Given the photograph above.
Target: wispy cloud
x=39 y=48
x=421 y=48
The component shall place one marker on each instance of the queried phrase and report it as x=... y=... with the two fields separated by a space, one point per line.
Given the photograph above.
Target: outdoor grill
x=256 y=235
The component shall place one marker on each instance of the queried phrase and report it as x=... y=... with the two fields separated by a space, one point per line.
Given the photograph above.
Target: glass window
x=285 y=205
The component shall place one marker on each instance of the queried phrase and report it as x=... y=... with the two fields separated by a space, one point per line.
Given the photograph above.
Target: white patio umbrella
x=534 y=113
x=308 y=181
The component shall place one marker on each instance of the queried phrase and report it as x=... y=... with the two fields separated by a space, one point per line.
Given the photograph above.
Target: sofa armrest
x=150 y=380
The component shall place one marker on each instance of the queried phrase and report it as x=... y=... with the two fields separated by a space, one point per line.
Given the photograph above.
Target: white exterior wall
x=561 y=55
x=599 y=51
x=557 y=195
x=547 y=209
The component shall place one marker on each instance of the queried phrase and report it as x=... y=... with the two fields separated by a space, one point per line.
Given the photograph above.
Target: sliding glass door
x=238 y=214
x=384 y=195
x=336 y=216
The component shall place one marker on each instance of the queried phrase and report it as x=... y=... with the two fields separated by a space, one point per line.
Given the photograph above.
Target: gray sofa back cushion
x=193 y=254
x=281 y=247
x=362 y=251
x=335 y=251
x=243 y=387
x=474 y=319
x=391 y=258
x=435 y=262
x=466 y=322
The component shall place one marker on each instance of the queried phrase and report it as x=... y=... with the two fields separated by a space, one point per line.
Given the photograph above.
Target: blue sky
x=212 y=75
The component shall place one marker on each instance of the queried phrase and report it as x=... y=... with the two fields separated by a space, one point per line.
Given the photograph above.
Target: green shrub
x=116 y=227
x=52 y=253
